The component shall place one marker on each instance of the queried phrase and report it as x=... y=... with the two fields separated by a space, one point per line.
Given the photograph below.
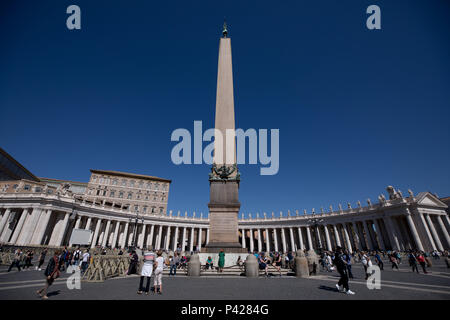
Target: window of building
x=149 y=185
x=156 y=186
x=27 y=187
x=115 y=181
x=138 y=196
x=132 y=184
x=121 y=194
x=112 y=193
x=124 y=182
x=145 y=209
x=130 y=195
x=161 y=210
x=141 y=184
x=38 y=189
x=49 y=191
x=15 y=186
x=153 y=209
x=136 y=208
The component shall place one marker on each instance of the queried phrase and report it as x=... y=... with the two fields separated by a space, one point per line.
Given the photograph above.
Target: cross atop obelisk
x=224 y=177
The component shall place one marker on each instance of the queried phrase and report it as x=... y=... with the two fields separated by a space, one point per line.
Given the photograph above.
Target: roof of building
x=61 y=181
x=130 y=175
x=16 y=175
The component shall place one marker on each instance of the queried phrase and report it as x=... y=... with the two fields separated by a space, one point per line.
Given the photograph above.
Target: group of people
x=22 y=260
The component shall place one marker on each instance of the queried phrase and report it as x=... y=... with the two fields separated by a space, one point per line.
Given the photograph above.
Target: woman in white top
x=159 y=266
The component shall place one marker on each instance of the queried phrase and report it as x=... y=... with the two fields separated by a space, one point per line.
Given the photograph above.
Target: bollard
x=194 y=266
x=313 y=262
x=251 y=266
x=301 y=265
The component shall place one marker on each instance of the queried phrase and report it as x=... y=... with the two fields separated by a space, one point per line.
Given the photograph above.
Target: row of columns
x=387 y=233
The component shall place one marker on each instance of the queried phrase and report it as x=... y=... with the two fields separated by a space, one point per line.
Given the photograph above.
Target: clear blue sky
x=357 y=110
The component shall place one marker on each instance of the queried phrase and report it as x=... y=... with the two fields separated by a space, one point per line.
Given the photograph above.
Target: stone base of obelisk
x=223 y=218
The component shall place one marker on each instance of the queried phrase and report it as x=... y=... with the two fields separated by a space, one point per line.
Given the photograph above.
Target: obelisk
x=224 y=177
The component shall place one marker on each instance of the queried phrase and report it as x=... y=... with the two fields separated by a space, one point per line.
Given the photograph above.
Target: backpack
x=50 y=267
x=77 y=255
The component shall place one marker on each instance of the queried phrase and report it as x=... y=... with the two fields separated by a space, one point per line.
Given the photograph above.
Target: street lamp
x=135 y=228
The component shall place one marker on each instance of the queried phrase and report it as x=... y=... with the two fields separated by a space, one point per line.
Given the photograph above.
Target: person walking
x=379 y=261
x=394 y=262
x=422 y=262
x=365 y=259
x=263 y=264
x=413 y=262
x=51 y=272
x=16 y=260
x=132 y=269
x=147 y=270
x=159 y=265
x=77 y=256
x=348 y=260
x=41 y=259
x=221 y=260
x=85 y=261
x=341 y=267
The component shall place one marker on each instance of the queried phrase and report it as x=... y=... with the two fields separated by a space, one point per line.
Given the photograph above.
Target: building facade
x=38 y=213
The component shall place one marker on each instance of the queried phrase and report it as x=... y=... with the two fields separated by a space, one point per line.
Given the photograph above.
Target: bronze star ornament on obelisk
x=224 y=177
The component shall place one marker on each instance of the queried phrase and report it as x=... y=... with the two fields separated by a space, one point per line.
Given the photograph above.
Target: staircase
x=234 y=271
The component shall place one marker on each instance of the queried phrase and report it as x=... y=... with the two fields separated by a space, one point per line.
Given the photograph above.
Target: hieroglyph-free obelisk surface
x=224 y=177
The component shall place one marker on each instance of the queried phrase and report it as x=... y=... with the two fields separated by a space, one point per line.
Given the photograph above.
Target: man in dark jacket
x=51 y=273
x=341 y=267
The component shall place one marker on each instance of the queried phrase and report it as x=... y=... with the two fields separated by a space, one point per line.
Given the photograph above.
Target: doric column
x=243 y=238
x=319 y=238
x=336 y=236
x=275 y=239
x=300 y=238
x=191 y=244
x=37 y=225
x=437 y=241
x=380 y=235
x=267 y=240
x=106 y=236
x=124 y=235
x=88 y=224
x=42 y=227
x=291 y=234
x=62 y=230
x=116 y=234
x=29 y=227
x=77 y=224
x=183 y=243
x=19 y=226
x=356 y=235
x=368 y=238
x=327 y=238
x=207 y=236
x=142 y=237
x=308 y=235
x=427 y=230
x=4 y=220
x=175 y=240
x=199 y=239
x=97 y=229
x=167 y=244
x=259 y=240
x=150 y=236
x=252 y=249
x=158 y=241
x=347 y=239
x=413 y=229
x=283 y=240
x=444 y=230
x=393 y=238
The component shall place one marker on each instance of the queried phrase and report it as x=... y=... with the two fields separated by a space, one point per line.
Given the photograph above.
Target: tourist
x=379 y=261
x=174 y=264
x=277 y=262
x=240 y=263
x=77 y=256
x=28 y=259
x=41 y=259
x=348 y=260
x=209 y=263
x=341 y=267
x=85 y=261
x=132 y=269
x=421 y=259
x=263 y=264
x=413 y=262
x=147 y=269
x=16 y=260
x=120 y=252
x=394 y=262
x=183 y=262
x=51 y=273
x=367 y=263
x=158 y=272
x=221 y=260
